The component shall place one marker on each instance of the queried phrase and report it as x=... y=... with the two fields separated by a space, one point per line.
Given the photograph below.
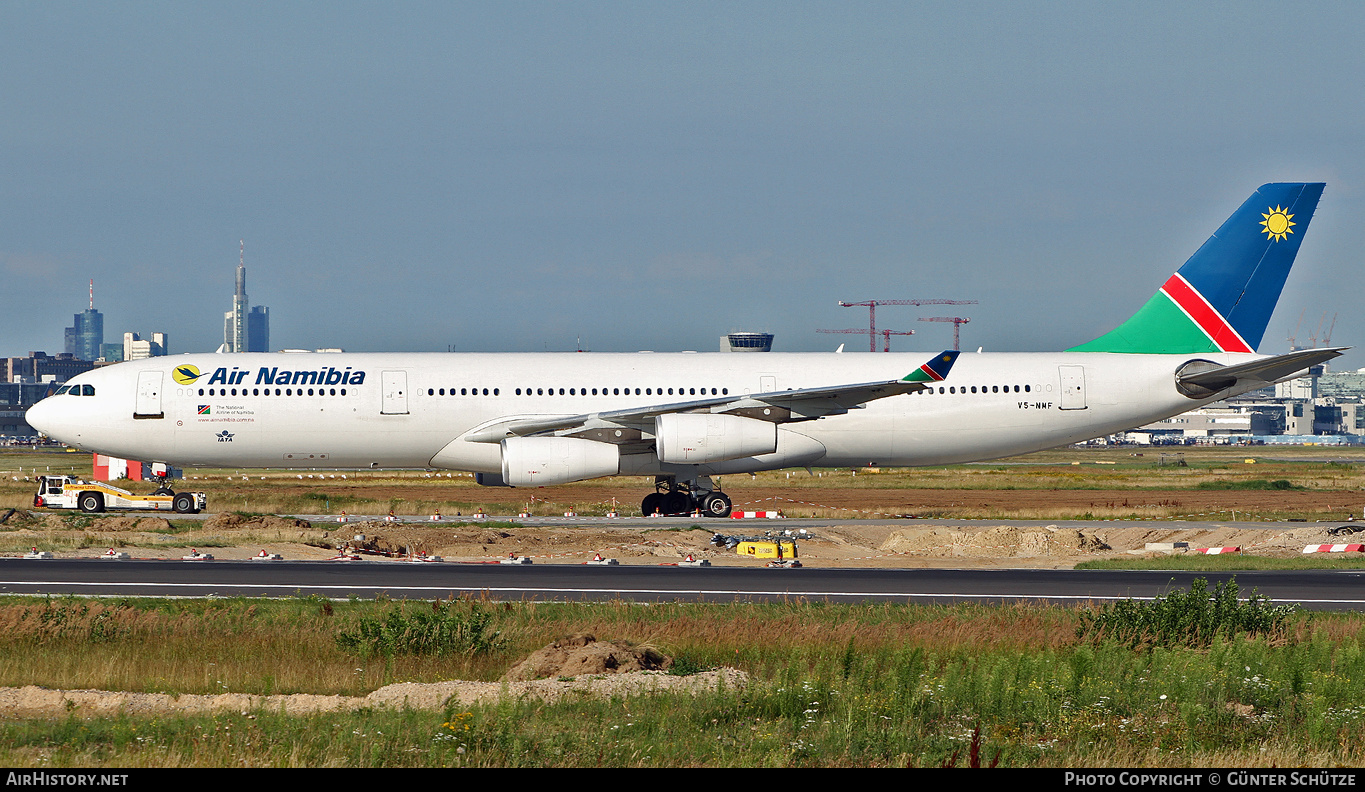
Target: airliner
x=532 y=419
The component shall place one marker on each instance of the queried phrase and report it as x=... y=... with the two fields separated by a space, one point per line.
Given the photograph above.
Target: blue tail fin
x=1221 y=300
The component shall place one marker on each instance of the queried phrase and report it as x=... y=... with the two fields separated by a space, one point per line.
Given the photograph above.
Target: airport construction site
x=233 y=536
x=1051 y=509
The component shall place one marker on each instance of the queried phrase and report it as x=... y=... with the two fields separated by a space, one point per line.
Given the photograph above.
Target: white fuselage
x=414 y=410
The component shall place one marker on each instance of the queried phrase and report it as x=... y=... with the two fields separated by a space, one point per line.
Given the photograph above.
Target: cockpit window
x=87 y=390
x=62 y=390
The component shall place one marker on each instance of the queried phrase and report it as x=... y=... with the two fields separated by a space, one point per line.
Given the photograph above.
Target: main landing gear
x=671 y=497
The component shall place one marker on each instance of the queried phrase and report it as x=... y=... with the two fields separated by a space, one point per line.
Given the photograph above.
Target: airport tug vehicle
x=69 y=492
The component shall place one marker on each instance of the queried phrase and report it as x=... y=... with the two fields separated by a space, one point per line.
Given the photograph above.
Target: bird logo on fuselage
x=186 y=374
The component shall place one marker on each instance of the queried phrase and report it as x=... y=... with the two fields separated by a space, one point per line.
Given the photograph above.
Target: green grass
x=1231 y=562
x=832 y=685
x=1250 y=484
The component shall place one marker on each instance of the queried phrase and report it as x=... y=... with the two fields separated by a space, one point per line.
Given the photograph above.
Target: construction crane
x=885 y=334
x=957 y=321
x=871 y=306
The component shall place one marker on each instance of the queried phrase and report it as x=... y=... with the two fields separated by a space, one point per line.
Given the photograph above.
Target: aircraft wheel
x=675 y=503
x=651 y=503
x=183 y=503
x=91 y=502
x=716 y=504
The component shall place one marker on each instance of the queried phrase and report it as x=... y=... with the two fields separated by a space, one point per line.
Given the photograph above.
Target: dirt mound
x=232 y=521
x=32 y=701
x=997 y=541
x=584 y=654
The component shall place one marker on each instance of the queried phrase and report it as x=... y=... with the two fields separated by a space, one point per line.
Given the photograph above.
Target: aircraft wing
x=805 y=404
x=1202 y=377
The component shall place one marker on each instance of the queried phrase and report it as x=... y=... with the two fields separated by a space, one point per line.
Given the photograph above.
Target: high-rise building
x=134 y=348
x=85 y=337
x=258 y=329
x=245 y=329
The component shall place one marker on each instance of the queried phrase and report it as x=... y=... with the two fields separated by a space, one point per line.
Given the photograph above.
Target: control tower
x=746 y=341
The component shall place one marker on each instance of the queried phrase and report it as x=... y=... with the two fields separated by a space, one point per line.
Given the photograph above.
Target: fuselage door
x=1073 y=387
x=395 y=392
x=148 y=404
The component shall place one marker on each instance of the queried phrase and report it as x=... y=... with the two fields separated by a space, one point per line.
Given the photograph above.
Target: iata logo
x=225 y=436
x=186 y=374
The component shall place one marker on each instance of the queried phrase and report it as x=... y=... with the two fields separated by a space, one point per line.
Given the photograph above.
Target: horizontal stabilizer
x=1201 y=378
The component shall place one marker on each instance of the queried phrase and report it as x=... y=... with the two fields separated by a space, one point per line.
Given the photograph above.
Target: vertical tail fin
x=1221 y=300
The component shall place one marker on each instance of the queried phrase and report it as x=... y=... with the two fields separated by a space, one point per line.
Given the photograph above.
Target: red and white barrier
x=756 y=515
x=1335 y=548
x=1217 y=550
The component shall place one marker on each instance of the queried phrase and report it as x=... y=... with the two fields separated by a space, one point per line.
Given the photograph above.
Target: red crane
x=885 y=334
x=957 y=321
x=872 y=312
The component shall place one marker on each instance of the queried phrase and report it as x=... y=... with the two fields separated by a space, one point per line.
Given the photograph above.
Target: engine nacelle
x=544 y=461
x=698 y=438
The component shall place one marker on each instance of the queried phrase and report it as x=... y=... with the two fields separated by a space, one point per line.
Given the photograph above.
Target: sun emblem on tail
x=1278 y=223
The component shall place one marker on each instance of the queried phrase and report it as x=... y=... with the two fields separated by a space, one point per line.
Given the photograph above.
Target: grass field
x=833 y=685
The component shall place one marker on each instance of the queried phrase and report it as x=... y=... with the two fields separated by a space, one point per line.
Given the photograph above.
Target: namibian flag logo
x=204 y=409
x=935 y=370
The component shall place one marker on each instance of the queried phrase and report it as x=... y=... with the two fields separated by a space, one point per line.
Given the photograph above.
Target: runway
x=1316 y=589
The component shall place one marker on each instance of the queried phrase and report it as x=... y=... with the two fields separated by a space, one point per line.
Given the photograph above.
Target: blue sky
x=515 y=176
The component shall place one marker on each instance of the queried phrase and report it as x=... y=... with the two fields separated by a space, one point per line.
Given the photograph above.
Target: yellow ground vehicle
x=767 y=548
x=69 y=492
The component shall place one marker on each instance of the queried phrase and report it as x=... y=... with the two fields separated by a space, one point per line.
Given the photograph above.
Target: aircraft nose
x=46 y=417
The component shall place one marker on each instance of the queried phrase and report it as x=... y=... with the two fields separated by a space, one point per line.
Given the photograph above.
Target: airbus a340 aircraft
x=527 y=420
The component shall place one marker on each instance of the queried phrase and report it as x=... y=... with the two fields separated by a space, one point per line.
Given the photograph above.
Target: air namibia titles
x=275 y=376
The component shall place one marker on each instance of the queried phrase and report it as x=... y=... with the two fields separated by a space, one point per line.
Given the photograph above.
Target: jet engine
x=545 y=461
x=698 y=438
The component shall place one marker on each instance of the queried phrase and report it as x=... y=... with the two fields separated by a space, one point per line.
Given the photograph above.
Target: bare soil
x=574 y=665
x=891 y=543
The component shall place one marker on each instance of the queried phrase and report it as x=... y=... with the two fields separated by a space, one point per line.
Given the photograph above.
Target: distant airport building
x=245 y=329
x=15 y=399
x=135 y=348
x=85 y=337
x=39 y=367
x=745 y=341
